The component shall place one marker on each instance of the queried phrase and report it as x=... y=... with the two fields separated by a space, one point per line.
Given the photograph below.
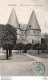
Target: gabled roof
x=13 y=19
x=33 y=22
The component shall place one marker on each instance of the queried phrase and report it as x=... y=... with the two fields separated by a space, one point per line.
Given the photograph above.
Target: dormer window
x=29 y=25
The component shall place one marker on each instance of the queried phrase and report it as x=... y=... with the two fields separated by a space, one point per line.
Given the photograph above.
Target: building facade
x=26 y=33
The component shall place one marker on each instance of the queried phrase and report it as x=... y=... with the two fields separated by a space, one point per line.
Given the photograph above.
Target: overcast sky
x=24 y=12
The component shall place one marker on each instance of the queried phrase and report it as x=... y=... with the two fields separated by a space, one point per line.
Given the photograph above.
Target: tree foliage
x=28 y=46
x=20 y=47
x=2 y=30
x=37 y=46
x=8 y=38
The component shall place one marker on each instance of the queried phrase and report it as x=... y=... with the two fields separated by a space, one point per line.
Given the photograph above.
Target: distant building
x=26 y=33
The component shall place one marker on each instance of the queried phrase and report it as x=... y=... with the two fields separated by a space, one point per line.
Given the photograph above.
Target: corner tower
x=14 y=22
x=33 y=31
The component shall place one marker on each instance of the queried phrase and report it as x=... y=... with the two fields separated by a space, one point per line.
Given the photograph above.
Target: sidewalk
x=35 y=57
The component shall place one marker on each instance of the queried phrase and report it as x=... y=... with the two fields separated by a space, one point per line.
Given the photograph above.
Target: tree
x=2 y=29
x=28 y=46
x=20 y=47
x=37 y=46
x=43 y=44
x=8 y=39
x=47 y=42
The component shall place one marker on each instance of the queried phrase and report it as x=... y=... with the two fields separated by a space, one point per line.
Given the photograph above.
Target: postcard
x=23 y=38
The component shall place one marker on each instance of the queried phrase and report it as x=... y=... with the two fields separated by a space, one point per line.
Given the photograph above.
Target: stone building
x=26 y=33
x=33 y=31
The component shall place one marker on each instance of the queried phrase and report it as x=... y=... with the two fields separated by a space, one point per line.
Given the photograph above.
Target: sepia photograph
x=23 y=38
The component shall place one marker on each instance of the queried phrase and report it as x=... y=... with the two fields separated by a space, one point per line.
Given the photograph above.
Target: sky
x=23 y=9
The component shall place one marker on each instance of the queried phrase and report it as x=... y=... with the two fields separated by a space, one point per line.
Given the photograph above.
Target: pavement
x=38 y=58
x=19 y=65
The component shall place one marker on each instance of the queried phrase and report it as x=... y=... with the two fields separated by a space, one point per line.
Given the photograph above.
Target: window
x=29 y=31
x=32 y=41
x=22 y=32
x=38 y=32
x=33 y=31
x=29 y=25
x=19 y=25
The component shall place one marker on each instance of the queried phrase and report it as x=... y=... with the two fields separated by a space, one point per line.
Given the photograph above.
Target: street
x=18 y=65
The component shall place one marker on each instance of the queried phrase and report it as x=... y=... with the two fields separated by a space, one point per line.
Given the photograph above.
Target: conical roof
x=33 y=22
x=13 y=19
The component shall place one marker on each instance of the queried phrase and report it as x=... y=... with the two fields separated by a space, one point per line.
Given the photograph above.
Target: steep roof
x=13 y=19
x=33 y=22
